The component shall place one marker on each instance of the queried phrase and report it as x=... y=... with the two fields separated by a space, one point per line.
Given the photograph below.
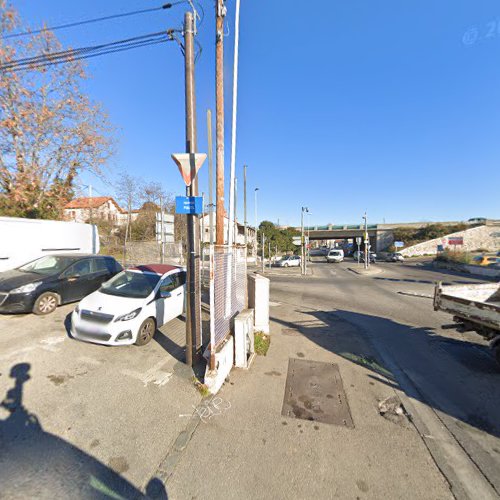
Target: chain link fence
x=224 y=288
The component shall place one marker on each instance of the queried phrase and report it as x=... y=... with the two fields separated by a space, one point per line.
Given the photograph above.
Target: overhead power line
x=89 y=21
x=87 y=52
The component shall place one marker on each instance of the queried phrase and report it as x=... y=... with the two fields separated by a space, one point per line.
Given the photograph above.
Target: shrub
x=452 y=256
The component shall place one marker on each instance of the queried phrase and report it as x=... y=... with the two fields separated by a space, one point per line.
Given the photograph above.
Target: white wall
x=487 y=237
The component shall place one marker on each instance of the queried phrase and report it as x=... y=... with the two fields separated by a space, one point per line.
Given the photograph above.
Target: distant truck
x=24 y=240
x=474 y=308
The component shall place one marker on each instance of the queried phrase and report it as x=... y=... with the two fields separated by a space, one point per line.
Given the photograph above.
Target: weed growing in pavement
x=261 y=343
x=200 y=387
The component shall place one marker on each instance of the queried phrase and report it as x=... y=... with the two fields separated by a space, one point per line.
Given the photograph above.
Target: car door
x=76 y=281
x=168 y=308
x=99 y=274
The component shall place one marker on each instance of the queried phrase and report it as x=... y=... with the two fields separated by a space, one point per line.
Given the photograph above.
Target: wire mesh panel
x=227 y=289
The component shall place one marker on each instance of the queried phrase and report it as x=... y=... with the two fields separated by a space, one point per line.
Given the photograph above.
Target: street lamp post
x=302 y=257
x=255 y=213
x=308 y=236
x=367 y=243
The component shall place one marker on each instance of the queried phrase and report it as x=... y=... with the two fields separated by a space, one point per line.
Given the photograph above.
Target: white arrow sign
x=189 y=164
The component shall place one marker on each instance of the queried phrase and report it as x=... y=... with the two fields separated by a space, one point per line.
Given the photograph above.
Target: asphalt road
x=452 y=378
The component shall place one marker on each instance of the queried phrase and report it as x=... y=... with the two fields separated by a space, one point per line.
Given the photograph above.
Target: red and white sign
x=457 y=240
x=189 y=164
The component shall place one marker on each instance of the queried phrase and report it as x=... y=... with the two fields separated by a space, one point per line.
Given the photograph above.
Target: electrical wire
x=85 y=52
x=95 y=20
x=44 y=64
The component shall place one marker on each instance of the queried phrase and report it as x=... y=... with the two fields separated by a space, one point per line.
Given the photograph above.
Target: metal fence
x=226 y=286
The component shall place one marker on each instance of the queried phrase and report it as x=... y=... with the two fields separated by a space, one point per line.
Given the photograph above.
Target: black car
x=43 y=284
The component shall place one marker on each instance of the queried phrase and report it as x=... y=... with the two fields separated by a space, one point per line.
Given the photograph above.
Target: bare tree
x=129 y=191
x=50 y=131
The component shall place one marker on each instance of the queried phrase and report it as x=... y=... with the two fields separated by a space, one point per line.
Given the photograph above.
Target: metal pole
x=263 y=241
x=235 y=225
x=269 y=254
x=256 y=232
x=193 y=313
x=210 y=176
x=367 y=258
x=245 y=208
x=220 y=13
x=232 y=175
x=162 y=237
x=302 y=241
x=90 y=205
x=202 y=229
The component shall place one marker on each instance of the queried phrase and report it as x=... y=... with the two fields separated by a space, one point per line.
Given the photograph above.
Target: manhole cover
x=314 y=391
x=290 y=331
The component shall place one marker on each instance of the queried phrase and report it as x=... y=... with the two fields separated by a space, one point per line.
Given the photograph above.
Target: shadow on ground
x=339 y=332
x=37 y=464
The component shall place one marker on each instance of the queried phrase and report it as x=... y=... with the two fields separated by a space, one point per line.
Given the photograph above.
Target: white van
x=24 y=240
x=335 y=255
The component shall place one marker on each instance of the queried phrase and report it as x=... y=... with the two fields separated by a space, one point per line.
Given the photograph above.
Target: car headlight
x=27 y=288
x=129 y=316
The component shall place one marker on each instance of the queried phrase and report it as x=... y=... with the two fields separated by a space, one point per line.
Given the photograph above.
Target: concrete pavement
x=249 y=450
x=79 y=418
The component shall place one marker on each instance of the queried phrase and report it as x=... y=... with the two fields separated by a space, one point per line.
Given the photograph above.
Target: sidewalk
x=244 y=447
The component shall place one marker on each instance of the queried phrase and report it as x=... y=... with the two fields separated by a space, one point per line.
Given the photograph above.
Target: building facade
x=105 y=208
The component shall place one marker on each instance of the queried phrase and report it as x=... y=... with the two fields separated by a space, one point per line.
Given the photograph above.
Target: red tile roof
x=94 y=202
x=160 y=269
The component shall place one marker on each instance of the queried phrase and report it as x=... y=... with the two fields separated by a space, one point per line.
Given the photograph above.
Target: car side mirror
x=164 y=294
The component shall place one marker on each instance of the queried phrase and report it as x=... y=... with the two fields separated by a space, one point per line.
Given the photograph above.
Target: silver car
x=289 y=261
x=394 y=257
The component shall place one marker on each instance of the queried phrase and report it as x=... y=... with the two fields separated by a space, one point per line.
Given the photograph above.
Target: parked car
x=45 y=283
x=315 y=252
x=335 y=255
x=128 y=308
x=485 y=260
x=394 y=257
x=289 y=261
x=372 y=256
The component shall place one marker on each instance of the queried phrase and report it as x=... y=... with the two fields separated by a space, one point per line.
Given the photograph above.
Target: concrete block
x=224 y=358
x=258 y=300
x=244 y=339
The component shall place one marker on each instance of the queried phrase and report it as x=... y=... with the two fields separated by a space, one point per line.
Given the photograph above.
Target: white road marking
x=90 y=361
x=18 y=352
x=154 y=375
x=274 y=304
x=52 y=340
x=48 y=344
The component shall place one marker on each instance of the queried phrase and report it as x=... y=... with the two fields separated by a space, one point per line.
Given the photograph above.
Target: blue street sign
x=188 y=205
x=399 y=244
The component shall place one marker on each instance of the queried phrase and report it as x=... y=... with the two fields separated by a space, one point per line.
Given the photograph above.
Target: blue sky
x=343 y=106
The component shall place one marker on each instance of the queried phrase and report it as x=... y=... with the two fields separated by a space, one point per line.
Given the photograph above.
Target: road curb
x=366 y=272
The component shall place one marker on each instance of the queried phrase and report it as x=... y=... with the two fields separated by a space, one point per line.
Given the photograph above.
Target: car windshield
x=50 y=264
x=131 y=284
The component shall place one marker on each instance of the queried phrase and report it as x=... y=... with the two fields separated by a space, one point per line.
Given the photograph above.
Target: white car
x=128 y=308
x=335 y=255
x=289 y=261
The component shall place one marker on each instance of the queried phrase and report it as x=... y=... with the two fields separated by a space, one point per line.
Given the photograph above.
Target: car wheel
x=146 y=332
x=46 y=303
x=286 y=265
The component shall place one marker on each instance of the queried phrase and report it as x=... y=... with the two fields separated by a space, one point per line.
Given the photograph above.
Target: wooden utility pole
x=193 y=303
x=210 y=177
x=220 y=13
